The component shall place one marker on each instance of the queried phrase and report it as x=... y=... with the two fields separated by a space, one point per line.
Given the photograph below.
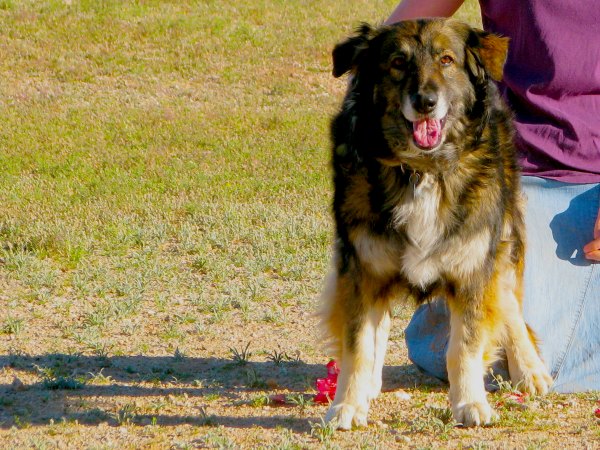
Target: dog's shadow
x=94 y=390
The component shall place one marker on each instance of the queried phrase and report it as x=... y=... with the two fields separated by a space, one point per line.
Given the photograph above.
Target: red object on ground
x=327 y=386
x=516 y=397
x=278 y=399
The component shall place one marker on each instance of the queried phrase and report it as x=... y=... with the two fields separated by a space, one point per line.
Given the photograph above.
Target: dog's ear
x=486 y=54
x=347 y=54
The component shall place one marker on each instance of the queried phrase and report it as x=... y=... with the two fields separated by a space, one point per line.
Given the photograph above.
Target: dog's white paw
x=346 y=415
x=535 y=380
x=474 y=414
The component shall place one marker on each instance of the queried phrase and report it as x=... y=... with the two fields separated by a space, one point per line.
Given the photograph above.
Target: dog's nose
x=424 y=102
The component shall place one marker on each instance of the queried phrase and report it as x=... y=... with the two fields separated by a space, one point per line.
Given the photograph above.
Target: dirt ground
x=220 y=393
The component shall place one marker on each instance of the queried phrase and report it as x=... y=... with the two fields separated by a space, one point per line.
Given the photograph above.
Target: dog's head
x=421 y=81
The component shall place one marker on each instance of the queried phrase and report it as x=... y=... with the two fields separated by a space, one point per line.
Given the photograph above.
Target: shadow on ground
x=93 y=390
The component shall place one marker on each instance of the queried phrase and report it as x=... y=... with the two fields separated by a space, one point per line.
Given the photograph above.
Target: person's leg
x=562 y=290
x=427 y=337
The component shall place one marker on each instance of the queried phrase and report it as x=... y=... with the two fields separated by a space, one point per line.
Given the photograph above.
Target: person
x=552 y=83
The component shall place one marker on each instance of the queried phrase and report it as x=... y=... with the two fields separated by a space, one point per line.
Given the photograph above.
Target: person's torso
x=552 y=82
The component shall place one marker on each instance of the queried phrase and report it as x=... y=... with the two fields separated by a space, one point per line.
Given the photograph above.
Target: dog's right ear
x=347 y=54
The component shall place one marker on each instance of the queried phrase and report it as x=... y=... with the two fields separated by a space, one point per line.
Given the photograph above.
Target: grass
x=165 y=208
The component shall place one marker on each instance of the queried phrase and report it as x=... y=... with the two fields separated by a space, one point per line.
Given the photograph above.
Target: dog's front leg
x=465 y=363
x=364 y=344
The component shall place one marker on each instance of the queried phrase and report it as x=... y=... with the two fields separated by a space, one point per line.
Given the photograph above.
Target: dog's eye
x=398 y=62
x=446 y=60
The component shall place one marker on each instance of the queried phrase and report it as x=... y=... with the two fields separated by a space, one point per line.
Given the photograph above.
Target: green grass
x=157 y=150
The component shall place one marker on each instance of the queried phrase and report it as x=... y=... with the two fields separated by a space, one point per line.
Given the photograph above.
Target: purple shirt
x=552 y=82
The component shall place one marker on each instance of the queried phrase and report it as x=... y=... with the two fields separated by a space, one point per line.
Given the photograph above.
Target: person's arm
x=414 y=9
x=592 y=250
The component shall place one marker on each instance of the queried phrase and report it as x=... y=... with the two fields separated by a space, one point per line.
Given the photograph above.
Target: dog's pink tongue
x=427 y=132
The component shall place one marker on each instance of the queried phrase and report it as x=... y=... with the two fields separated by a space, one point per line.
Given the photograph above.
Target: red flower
x=327 y=386
x=597 y=413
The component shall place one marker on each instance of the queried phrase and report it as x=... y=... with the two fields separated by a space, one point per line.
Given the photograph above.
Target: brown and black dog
x=427 y=203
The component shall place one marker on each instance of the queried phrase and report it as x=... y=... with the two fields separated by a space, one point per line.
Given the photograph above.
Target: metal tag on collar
x=414 y=179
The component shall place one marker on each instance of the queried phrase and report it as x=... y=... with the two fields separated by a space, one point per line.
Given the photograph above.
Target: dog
x=427 y=204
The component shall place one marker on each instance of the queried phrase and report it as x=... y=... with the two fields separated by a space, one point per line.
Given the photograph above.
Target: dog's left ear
x=486 y=54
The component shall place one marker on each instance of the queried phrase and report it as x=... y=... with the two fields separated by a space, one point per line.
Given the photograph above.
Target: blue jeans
x=562 y=290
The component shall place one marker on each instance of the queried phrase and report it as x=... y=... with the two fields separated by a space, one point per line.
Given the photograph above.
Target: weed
x=100 y=378
x=241 y=358
x=260 y=400
x=286 y=442
x=300 y=400
x=179 y=356
x=254 y=380
x=537 y=444
x=13 y=326
x=218 y=441
x=22 y=422
x=206 y=419
x=126 y=414
x=435 y=420
x=323 y=430
x=67 y=383
x=278 y=357
x=504 y=386
x=478 y=446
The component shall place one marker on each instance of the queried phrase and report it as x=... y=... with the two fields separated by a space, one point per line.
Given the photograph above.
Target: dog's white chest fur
x=427 y=253
x=419 y=216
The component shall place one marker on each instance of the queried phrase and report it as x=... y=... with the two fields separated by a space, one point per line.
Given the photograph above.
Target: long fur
x=418 y=223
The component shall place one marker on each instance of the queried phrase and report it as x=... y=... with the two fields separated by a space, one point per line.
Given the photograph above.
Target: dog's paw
x=346 y=415
x=536 y=380
x=474 y=414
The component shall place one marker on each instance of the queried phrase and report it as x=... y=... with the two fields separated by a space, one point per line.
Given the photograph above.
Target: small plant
x=207 y=419
x=278 y=357
x=55 y=378
x=254 y=380
x=323 y=431
x=13 y=326
x=21 y=422
x=216 y=440
x=241 y=358
x=504 y=386
x=435 y=420
x=179 y=355
x=300 y=400
x=126 y=414
x=261 y=400
x=68 y=383
x=100 y=378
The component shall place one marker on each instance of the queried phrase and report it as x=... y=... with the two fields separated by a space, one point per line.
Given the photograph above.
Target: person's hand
x=592 y=249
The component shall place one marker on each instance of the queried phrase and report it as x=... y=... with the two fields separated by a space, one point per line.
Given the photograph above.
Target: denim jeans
x=562 y=290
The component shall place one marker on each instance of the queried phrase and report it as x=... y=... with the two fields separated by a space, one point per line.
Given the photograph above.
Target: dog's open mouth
x=427 y=132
